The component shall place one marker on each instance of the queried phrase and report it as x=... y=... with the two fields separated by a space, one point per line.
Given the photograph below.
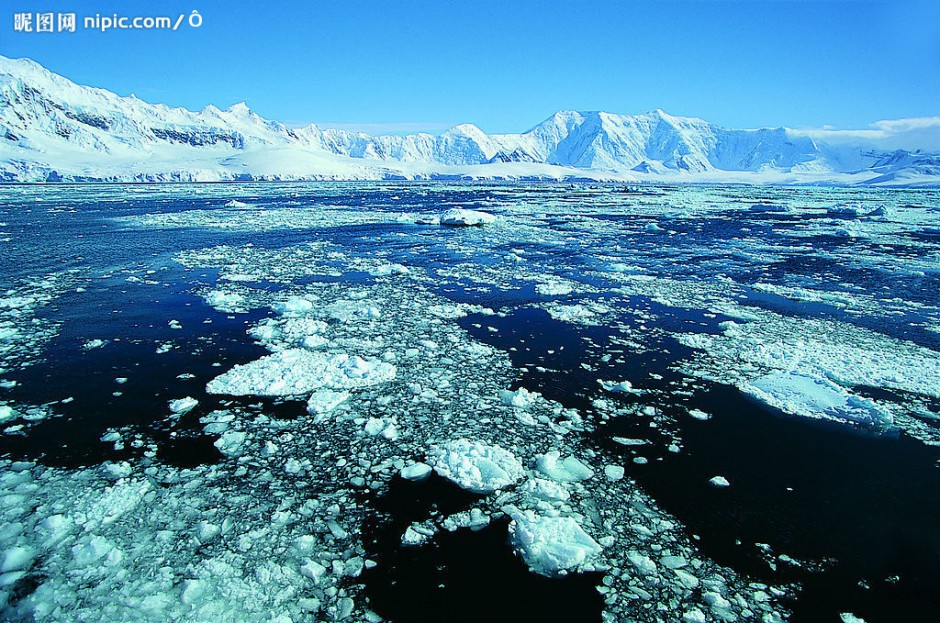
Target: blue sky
x=508 y=64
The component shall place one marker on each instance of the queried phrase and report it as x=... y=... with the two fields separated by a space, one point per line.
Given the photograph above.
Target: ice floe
x=297 y=371
x=815 y=397
x=551 y=545
x=475 y=466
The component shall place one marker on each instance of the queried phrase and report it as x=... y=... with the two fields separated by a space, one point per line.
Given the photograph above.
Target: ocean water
x=110 y=310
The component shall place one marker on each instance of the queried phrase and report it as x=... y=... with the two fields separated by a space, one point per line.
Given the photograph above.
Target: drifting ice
x=475 y=466
x=815 y=397
x=298 y=371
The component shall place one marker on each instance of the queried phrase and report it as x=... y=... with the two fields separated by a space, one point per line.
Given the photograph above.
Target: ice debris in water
x=568 y=469
x=815 y=397
x=416 y=471
x=719 y=482
x=466 y=218
x=550 y=545
x=298 y=371
x=183 y=405
x=520 y=398
x=475 y=466
x=323 y=401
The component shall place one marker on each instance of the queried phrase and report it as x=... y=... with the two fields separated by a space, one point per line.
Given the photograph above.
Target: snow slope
x=52 y=129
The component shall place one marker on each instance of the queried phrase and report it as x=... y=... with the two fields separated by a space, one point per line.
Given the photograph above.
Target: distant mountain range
x=54 y=130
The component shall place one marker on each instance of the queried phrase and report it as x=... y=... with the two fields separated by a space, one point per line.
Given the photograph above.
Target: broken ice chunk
x=568 y=469
x=550 y=545
x=466 y=218
x=299 y=371
x=719 y=482
x=323 y=401
x=815 y=397
x=475 y=466
x=416 y=471
x=183 y=405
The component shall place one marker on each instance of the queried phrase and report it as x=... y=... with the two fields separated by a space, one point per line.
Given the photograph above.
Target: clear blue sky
x=508 y=64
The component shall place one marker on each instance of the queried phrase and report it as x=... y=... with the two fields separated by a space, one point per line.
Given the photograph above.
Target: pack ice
x=298 y=371
x=815 y=397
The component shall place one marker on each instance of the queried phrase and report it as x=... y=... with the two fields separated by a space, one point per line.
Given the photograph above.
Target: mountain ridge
x=52 y=129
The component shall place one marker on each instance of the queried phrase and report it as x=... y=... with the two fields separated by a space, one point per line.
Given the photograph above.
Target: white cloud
x=914 y=133
x=399 y=127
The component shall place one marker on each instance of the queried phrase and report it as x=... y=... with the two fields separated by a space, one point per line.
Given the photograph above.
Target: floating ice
x=229 y=302
x=466 y=218
x=294 y=306
x=475 y=466
x=815 y=397
x=554 y=288
x=183 y=405
x=568 y=469
x=520 y=398
x=719 y=482
x=550 y=546
x=416 y=471
x=297 y=372
x=323 y=401
x=614 y=472
x=853 y=210
x=386 y=270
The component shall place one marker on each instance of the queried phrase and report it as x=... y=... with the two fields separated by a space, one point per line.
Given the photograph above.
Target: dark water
x=464 y=576
x=861 y=512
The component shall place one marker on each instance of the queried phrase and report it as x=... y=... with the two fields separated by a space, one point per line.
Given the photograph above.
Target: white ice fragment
x=848 y=617
x=719 y=482
x=299 y=371
x=92 y=550
x=229 y=302
x=293 y=306
x=17 y=558
x=550 y=545
x=323 y=401
x=475 y=466
x=183 y=405
x=614 y=472
x=413 y=538
x=693 y=616
x=546 y=490
x=231 y=443
x=617 y=387
x=673 y=562
x=7 y=414
x=553 y=288
x=568 y=469
x=716 y=601
x=643 y=563
x=520 y=398
x=466 y=218
x=815 y=397
x=381 y=427
x=416 y=471
x=389 y=269
x=699 y=415
x=313 y=570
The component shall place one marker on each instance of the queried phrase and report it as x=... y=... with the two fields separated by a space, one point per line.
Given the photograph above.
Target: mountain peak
x=241 y=109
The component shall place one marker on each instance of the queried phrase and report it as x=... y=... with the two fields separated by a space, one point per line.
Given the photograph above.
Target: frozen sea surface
x=307 y=402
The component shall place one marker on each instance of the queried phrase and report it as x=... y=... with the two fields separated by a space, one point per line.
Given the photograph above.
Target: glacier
x=52 y=129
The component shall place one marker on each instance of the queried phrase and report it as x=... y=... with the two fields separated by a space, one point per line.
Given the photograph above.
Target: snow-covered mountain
x=52 y=129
